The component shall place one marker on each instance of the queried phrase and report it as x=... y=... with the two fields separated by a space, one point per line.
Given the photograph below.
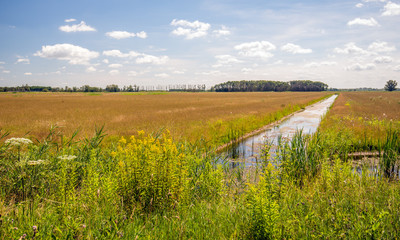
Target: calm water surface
x=250 y=149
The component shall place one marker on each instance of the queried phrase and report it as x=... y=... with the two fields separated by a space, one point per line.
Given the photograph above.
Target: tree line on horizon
x=230 y=86
x=268 y=86
x=108 y=88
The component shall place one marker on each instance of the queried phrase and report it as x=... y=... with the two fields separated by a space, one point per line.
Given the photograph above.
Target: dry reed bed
x=182 y=113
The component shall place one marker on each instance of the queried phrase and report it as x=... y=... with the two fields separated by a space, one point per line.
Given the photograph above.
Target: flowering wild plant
x=37 y=162
x=67 y=157
x=18 y=141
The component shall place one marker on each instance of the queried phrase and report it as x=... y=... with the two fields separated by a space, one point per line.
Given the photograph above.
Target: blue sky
x=73 y=43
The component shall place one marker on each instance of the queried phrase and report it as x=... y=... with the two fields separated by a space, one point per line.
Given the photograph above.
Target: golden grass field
x=124 y=114
x=365 y=114
x=379 y=105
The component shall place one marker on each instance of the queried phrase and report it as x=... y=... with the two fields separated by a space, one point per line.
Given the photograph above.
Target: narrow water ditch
x=249 y=150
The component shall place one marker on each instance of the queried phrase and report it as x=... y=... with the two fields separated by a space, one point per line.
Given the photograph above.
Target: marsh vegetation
x=167 y=185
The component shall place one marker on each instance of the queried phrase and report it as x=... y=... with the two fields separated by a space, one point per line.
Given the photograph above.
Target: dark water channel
x=249 y=151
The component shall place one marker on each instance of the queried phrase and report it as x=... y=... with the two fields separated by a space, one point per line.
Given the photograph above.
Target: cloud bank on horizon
x=345 y=44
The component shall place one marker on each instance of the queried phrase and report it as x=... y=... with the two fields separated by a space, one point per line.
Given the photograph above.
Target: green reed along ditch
x=149 y=186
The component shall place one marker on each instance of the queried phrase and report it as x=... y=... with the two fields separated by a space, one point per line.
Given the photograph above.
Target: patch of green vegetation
x=86 y=189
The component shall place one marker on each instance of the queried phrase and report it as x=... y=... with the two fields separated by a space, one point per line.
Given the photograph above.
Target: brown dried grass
x=366 y=115
x=122 y=115
x=378 y=105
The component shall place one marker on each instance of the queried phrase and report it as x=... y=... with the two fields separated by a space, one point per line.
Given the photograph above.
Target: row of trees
x=170 y=88
x=231 y=86
x=389 y=86
x=276 y=86
x=362 y=89
x=109 y=88
x=27 y=88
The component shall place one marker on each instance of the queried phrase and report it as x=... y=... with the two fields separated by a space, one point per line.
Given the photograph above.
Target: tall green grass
x=389 y=152
x=84 y=189
x=308 y=192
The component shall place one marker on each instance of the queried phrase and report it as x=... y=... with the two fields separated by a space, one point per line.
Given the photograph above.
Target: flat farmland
x=122 y=114
x=378 y=105
x=364 y=112
x=362 y=119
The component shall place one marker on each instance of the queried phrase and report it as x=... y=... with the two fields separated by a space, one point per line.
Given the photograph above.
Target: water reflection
x=250 y=150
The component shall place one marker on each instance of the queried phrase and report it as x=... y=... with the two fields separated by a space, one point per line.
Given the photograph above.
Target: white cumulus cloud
x=140 y=57
x=360 y=67
x=141 y=34
x=224 y=31
x=380 y=46
x=320 y=64
x=120 y=34
x=124 y=34
x=90 y=69
x=351 y=48
x=391 y=9
x=114 y=53
x=28 y=74
x=362 y=21
x=81 y=27
x=23 y=60
x=223 y=60
x=68 y=52
x=118 y=53
x=259 y=49
x=145 y=58
x=359 y=5
x=190 y=30
x=383 y=59
x=6 y=71
x=295 y=49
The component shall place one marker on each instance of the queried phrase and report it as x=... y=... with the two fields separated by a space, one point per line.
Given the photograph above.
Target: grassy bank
x=361 y=120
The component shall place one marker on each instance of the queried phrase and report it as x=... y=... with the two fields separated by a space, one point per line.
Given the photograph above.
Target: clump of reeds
x=389 y=153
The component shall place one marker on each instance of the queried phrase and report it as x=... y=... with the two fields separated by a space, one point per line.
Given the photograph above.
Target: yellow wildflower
x=122 y=140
